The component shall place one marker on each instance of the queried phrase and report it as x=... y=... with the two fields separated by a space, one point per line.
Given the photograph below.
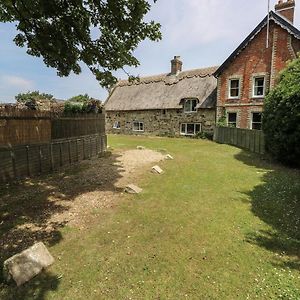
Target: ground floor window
x=232 y=119
x=190 y=128
x=256 y=122
x=138 y=126
x=117 y=125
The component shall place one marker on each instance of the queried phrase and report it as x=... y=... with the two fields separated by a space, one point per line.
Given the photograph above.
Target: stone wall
x=159 y=122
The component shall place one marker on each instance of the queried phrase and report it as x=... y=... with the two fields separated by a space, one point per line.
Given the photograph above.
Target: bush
x=82 y=104
x=281 y=118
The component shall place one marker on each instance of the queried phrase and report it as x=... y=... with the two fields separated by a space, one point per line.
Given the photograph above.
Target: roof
x=278 y=19
x=164 y=91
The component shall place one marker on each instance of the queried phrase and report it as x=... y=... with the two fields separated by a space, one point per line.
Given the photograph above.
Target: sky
x=203 y=32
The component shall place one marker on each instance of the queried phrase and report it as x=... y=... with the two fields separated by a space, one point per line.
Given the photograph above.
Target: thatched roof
x=164 y=91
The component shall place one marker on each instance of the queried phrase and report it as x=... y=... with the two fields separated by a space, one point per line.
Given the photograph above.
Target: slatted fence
x=252 y=140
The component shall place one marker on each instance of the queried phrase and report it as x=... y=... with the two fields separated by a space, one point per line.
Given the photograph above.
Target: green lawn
x=220 y=223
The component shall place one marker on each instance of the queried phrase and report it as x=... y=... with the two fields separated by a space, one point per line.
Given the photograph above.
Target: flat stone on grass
x=23 y=266
x=157 y=170
x=133 y=189
x=140 y=147
x=169 y=157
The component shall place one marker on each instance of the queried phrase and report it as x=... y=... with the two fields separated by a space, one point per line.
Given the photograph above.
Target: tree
x=100 y=33
x=33 y=96
x=281 y=118
x=82 y=104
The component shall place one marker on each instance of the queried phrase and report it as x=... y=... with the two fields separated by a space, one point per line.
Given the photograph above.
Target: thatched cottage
x=172 y=104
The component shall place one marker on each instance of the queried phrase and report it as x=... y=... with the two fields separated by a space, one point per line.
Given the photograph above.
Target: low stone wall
x=159 y=122
x=17 y=162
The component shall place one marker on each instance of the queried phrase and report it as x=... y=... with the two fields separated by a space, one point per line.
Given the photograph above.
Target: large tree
x=100 y=33
x=281 y=119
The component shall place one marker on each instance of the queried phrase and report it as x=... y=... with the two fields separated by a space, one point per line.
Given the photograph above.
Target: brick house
x=252 y=69
x=172 y=104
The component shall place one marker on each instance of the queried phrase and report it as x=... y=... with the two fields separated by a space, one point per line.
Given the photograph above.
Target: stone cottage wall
x=159 y=122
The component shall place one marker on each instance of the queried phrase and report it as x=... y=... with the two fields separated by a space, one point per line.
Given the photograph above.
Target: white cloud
x=16 y=82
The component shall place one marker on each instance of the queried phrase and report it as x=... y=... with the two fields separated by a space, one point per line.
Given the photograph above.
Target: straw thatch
x=164 y=91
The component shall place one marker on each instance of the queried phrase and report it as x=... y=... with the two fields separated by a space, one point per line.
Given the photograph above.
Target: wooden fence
x=252 y=140
x=17 y=162
x=35 y=142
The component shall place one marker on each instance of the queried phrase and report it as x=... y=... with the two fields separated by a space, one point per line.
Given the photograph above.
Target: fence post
x=69 y=150
x=27 y=161
x=51 y=157
x=13 y=160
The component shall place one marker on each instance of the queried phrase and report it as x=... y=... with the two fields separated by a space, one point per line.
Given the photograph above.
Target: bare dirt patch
x=36 y=209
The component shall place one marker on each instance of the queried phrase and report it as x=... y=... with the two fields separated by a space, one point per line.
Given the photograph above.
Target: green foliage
x=101 y=34
x=205 y=135
x=222 y=122
x=82 y=104
x=281 y=118
x=32 y=96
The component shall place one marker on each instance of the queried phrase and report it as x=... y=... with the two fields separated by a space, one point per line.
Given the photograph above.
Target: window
x=138 y=126
x=259 y=87
x=190 y=105
x=256 y=121
x=232 y=119
x=234 y=88
x=117 y=125
x=190 y=128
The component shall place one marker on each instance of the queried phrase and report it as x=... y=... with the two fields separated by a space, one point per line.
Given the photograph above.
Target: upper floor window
x=138 y=126
x=234 y=88
x=256 y=121
x=259 y=86
x=232 y=119
x=190 y=105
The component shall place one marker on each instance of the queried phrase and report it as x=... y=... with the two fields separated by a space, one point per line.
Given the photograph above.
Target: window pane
x=136 y=126
x=142 y=126
x=190 y=128
x=194 y=104
x=234 y=83
x=231 y=117
x=259 y=86
x=197 y=128
x=256 y=117
x=183 y=128
x=187 y=105
x=256 y=126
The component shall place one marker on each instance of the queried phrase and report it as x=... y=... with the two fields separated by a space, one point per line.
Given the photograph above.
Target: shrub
x=281 y=118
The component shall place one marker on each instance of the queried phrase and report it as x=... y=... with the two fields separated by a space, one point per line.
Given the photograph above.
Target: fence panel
x=252 y=140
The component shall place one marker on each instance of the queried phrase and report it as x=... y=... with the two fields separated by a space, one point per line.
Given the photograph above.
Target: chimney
x=176 y=65
x=286 y=8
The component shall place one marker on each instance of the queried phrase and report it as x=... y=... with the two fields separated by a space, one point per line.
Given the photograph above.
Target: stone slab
x=140 y=147
x=169 y=157
x=23 y=266
x=157 y=170
x=133 y=189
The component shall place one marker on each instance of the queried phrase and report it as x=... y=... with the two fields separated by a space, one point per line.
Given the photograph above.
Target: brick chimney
x=286 y=8
x=176 y=65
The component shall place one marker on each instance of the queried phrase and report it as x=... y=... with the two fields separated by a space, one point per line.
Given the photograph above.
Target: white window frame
x=251 y=124
x=229 y=88
x=117 y=125
x=191 y=105
x=141 y=124
x=227 y=117
x=253 y=86
x=189 y=134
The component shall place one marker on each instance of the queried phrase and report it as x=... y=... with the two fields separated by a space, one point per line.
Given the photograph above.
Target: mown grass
x=220 y=223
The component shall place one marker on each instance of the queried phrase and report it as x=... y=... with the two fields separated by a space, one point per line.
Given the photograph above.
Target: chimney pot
x=176 y=65
x=286 y=8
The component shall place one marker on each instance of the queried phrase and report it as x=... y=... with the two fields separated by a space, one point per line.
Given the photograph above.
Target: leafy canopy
x=100 y=33
x=33 y=96
x=281 y=119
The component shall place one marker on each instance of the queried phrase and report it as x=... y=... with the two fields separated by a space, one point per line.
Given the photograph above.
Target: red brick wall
x=255 y=59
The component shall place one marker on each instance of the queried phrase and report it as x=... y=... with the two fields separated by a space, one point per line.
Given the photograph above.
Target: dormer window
x=190 y=105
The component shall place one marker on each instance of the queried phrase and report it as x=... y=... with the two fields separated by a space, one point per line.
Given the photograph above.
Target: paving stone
x=157 y=170
x=169 y=157
x=25 y=265
x=140 y=147
x=133 y=189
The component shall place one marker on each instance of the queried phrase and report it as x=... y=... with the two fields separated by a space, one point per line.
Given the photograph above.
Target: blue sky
x=202 y=32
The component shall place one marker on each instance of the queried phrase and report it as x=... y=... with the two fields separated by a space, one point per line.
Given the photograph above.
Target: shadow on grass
x=276 y=202
x=27 y=208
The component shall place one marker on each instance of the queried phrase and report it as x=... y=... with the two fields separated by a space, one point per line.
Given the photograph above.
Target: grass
x=220 y=223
